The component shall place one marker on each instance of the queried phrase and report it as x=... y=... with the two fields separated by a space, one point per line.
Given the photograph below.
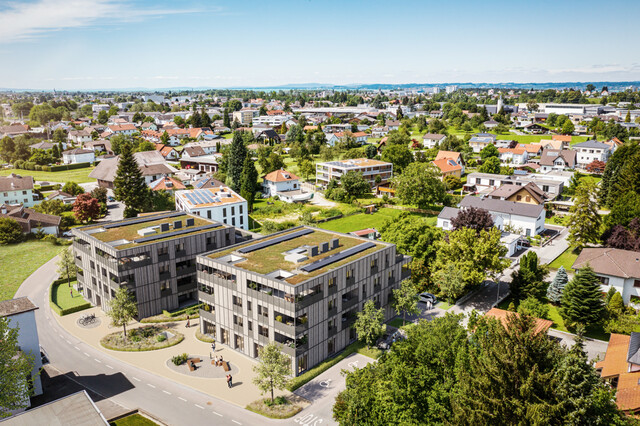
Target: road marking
x=199 y=406
x=182 y=399
x=69 y=341
x=325 y=383
x=217 y=414
x=77 y=348
x=87 y=354
x=238 y=423
x=150 y=385
x=167 y=392
x=61 y=336
x=97 y=360
x=136 y=379
x=108 y=366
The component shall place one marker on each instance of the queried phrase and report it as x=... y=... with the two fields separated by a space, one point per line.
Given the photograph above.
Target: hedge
x=57 y=309
x=62 y=167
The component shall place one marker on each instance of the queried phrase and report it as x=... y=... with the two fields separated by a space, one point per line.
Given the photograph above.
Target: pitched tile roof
x=15 y=182
x=448 y=155
x=516 y=151
x=616 y=364
x=447 y=165
x=542 y=325
x=166 y=183
x=549 y=156
x=436 y=136
x=16 y=306
x=506 y=191
x=280 y=176
x=502 y=206
x=610 y=261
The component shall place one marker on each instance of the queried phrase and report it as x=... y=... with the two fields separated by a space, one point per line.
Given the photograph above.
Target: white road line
x=199 y=406
x=167 y=392
x=108 y=366
x=76 y=348
x=136 y=379
x=61 y=336
x=182 y=399
x=238 y=423
x=150 y=385
x=97 y=360
x=69 y=341
x=87 y=354
x=217 y=414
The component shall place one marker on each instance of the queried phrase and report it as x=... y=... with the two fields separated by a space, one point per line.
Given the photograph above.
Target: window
x=237 y=320
x=250 y=325
x=237 y=301
x=248 y=305
x=331 y=304
x=24 y=192
x=349 y=273
x=545 y=188
x=374 y=263
x=233 y=221
x=263 y=331
x=241 y=220
x=163 y=269
x=208 y=214
x=518 y=197
x=224 y=212
x=263 y=311
x=491 y=182
x=605 y=281
x=163 y=251
x=528 y=198
x=241 y=209
x=164 y=286
x=233 y=210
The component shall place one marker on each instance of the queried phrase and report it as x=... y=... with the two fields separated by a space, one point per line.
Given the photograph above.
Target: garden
x=64 y=299
x=191 y=312
x=282 y=407
x=148 y=338
x=64 y=176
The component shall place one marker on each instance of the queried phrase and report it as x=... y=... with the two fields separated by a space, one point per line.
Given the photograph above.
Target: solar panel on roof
x=190 y=198
x=273 y=241
x=176 y=233
x=336 y=257
x=141 y=220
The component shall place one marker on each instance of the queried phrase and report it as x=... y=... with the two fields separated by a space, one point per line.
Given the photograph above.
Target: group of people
x=218 y=361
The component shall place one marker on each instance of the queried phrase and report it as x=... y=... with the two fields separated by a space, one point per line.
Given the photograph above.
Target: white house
x=20 y=313
x=332 y=139
x=122 y=129
x=431 y=140
x=480 y=140
x=519 y=218
x=271 y=120
x=590 y=151
x=78 y=155
x=285 y=185
x=615 y=268
x=16 y=189
x=513 y=155
x=80 y=136
x=217 y=203
x=557 y=160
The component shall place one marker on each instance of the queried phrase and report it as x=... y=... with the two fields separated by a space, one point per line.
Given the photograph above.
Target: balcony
x=332 y=331
x=286 y=328
x=185 y=270
x=347 y=303
x=181 y=253
x=287 y=348
x=83 y=248
x=405 y=274
x=348 y=321
x=377 y=288
x=351 y=281
x=165 y=275
x=163 y=257
x=309 y=300
x=333 y=289
x=206 y=297
x=78 y=262
x=331 y=312
x=127 y=263
x=237 y=308
x=209 y=316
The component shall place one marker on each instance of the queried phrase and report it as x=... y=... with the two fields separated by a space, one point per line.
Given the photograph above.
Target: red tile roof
x=542 y=325
x=280 y=176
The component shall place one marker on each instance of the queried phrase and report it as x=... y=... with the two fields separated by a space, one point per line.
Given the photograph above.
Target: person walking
x=187 y=321
x=71 y=292
x=213 y=346
x=229 y=380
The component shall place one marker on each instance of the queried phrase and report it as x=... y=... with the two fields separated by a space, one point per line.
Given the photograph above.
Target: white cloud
x=25 y=20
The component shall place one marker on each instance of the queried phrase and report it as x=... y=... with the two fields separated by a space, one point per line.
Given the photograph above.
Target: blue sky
x=94 y=44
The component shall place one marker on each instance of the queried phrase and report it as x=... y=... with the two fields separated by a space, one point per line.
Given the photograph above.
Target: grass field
x=62 y=297
x=18 y=261
x=362 y=221
x=566 y=259
x=77 y=175
x=133 y=420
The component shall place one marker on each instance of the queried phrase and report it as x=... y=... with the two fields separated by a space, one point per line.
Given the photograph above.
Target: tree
x=237 y=154
x=405 y=299
x=164 y=138
x=490 y=165
x=67 y=265
x=355 y=184
x=72 y=188
x=399 y=155
x=123 y=309
x=10 y=231
x=249 y=182
x=567 y=127
x=591 y=87
x=15 y=370
x=369 y=323
x=129 y=185
x=86 y=208
x=226 y=121
x=584 y=220
x=52 y=207
x=533 y=307
x=489 y=151
x=474 y=218
x=100 y=194
x=556 y=288
x=582 y=301
x=528 y=280
x=370 y=151
x=145 y=146
x=272 y=369
x=620 y=174
x=307 y=168
x=420 y=185
x=103 y=117
x=596 y=166
x=450 y=281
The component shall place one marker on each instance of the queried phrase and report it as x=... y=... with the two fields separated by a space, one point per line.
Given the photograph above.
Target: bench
x=191 y=365
x=225 y=365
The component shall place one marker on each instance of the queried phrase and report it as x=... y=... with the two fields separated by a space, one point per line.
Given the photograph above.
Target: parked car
x=428 y=297
x=110 y=199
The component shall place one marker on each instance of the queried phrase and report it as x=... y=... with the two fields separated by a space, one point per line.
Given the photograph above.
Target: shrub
x=279 y=318
x=180 y=359
x=161 y=338
x=135 y=338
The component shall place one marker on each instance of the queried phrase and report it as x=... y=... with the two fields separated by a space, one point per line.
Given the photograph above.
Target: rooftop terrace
x=149 y=229
x=285 y=258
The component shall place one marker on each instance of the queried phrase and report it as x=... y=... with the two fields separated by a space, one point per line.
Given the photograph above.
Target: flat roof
x=356 y=163
x=269 y=258
x=209 y=197
x=124 y=234
x=16 y=306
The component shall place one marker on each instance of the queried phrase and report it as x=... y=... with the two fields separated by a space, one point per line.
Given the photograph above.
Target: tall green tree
x=249 y=182
x=420 y=185
x=66 y=265
x=582 y=301
x=123 y=309
x=129 y=185
x=610 y=190
x=528 y=280
x=15 y=370
x=237 y=155
x=584 y=221
x=450 y=281
x=405 y=299
x=490 y=165
x=226 y=121
x=10 y=231
x=398 y=155
x=272 y=369
x=369 y=323
x=556 y=288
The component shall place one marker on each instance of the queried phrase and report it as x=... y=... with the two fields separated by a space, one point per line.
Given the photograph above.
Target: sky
x=116 y=44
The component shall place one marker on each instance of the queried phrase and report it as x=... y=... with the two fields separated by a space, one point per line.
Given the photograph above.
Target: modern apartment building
x=152 y=256
x=325 y=172
x=217 y=203
x=300 y=288
x=245 y=116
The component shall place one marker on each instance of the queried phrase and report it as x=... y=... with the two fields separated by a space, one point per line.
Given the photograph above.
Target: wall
x=29 y=343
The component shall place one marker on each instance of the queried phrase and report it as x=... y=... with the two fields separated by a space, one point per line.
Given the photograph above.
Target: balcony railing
x=309 y=300
x=347 y=303
x=185 y=270
x=331 y=331
x=331 y=312
x=209 y=316
x=206 y=297
x=333 y=289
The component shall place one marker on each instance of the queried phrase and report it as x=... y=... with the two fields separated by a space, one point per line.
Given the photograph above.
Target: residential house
x=152 y=165
x=451 y=155
x=332 y=139
x=62 y=196
x=221 y=204
x=590 y=151
x=528 y=193
x=121 y=129
x=99 y=146
x=268 y=136
x=80 y=136
x=78 y=155
x=209 y=146
x=77 y=408
x=149 y=126
x=557 y=160
x=481 y=140
x=205 y=163
x=520 y=218
x=431 y=140
x=359 y=137
x=379 y=131
x=534 y=128
x=285 y=185
x=13 y=130
x=490 y=124
x=20 y=314
x=621 y=369
x=552 y=144
x=370 y=169
x=192 y=151
x=615 y=268
x=30 y=220
x=565 y=139
x=245 y=116
x=44 y=146
x=393 y=124
x=205 y=182
x=513 y=155
x=533 y=149
x=16 y=189
x=167 y=152
x=541 y=327
x=168 y=184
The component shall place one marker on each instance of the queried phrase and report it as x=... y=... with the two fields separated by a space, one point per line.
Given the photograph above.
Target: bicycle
x=87 y=319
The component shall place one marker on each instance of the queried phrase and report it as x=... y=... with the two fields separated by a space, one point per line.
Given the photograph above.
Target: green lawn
x=77 y=175
x=396 y=322
x=566 y=259
x=133 y=420
x=18 y=261
x=62 y=297
x=362 y=221
x=444 y=305
x=526 y=139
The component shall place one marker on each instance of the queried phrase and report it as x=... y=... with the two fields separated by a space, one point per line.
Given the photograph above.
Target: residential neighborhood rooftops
x=549 y=156
x=448 y=213
x=16 y=306
x=610 y=261
x=291 y=251
x=506 y=191
x=447 y=165
x=616 y=365
x=434 y=136
x=502 y=206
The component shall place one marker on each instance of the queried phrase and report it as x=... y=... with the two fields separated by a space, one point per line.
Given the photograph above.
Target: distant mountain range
x=612 y=85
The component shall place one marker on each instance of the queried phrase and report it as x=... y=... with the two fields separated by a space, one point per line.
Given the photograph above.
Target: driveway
x=595 y=349
x=555 y=248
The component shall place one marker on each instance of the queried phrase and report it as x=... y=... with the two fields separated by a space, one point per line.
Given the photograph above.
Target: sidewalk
x=243 y=391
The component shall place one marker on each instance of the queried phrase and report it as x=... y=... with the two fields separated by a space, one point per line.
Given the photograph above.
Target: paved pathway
x=555 y=248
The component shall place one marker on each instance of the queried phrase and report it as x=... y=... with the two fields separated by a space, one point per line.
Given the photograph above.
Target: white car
x=428 y=297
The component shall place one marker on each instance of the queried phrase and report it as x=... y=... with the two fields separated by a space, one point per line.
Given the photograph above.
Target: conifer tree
x=225 y=118
x=582 y=301
x=584 y=220
x=529 y=279
x=237 y=154
x=129 y=185
x=556 y=288
x=249 y=182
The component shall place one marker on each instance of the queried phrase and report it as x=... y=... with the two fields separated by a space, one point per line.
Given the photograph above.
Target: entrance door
x=98 y=301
